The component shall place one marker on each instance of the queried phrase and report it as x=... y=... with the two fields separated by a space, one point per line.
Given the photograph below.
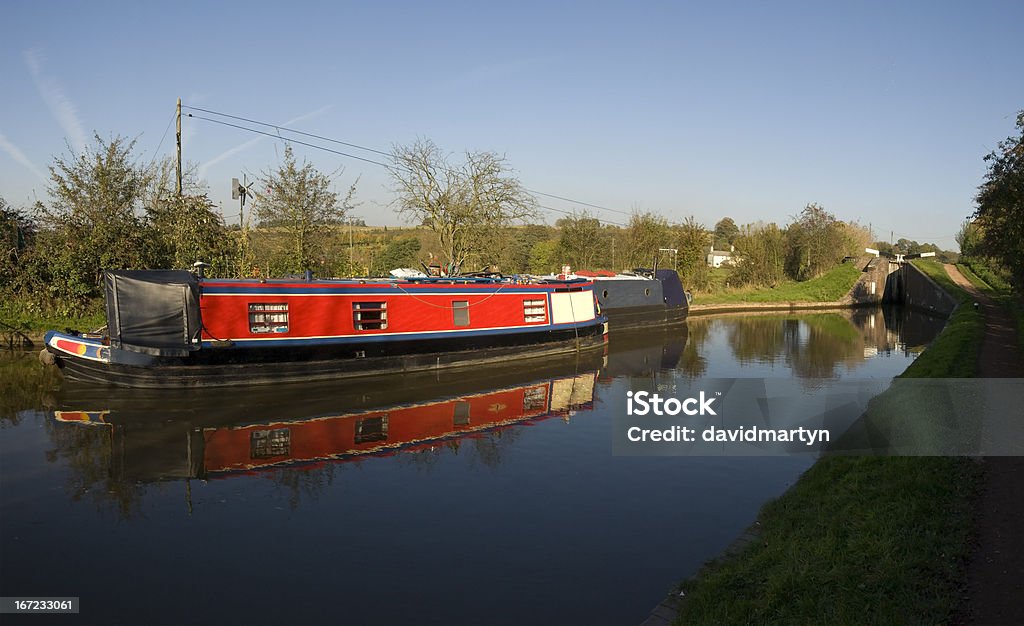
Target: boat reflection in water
x=152 y=439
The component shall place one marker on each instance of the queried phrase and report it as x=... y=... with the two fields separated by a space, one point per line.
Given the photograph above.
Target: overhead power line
x=366 y=149
x=301 y=143
x=290 y=130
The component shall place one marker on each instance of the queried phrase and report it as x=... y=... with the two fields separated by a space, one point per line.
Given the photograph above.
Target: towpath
x=995 y=572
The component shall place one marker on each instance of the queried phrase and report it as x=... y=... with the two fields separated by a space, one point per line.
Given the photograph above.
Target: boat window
x=460 y=312
x=370 y=315
x=268 y=318
x=535 y=311
x=535 y=398
x=461 y=417
x=264 y=444
x=371 y=429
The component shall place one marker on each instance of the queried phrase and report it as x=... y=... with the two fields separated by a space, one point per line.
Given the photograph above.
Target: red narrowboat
x=170 y=328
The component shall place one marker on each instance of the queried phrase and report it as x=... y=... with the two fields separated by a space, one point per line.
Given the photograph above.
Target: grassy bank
x=993 y=285
x=859 y=539
x=18 y=316
x=856 y=540
x=829 y=287
x=954 y=354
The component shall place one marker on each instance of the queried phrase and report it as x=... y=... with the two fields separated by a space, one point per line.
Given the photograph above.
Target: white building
x=718 y=258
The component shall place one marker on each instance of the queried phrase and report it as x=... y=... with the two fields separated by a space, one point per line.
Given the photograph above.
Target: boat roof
x=429 y=280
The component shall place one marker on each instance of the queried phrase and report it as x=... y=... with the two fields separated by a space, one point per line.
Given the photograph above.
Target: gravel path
x=995 y=574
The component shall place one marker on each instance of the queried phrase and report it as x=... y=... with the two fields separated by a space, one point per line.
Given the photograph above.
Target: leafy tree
x=645 y=234
x=464 y=203
x=94 y=215
x=906 y=246
x=544 y=257
x=884 y=247
x=760 y=256
x=815 y=243
x=969 y=238
x=1001 y=203
x=187 y=230
x=399 y=252
x=855 y=237
x=17 y=234
x=726 y=232
x=299 y=201
x=521 y=241
x=691 y=244
x=581 y=241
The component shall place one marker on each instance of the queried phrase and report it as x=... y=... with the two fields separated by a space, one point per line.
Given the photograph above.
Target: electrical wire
x=301 y=143
x=367 y=149
x=580 y=202
x=156 y=153
x=289 y=130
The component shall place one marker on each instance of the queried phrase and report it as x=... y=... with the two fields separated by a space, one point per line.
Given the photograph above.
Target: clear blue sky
x=880 y=111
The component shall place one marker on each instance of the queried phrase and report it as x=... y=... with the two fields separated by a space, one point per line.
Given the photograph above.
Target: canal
x=474 y=497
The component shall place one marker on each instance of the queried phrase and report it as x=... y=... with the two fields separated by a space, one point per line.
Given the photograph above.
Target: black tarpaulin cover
x=153 y=311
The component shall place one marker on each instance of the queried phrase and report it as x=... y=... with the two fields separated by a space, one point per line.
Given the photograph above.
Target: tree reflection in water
x=25 y=384
x=91 y=458
x=693 y=362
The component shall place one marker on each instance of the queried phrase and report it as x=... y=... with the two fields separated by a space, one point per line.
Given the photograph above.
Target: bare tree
x=465 y=204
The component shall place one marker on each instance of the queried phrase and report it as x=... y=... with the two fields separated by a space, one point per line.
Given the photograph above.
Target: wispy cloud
x=19 y=156
x=248 y=144
x=58 y=103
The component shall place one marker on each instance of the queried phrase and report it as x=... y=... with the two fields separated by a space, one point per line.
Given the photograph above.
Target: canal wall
x=913 y=288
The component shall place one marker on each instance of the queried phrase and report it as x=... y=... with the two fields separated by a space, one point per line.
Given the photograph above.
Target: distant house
x=719 y=258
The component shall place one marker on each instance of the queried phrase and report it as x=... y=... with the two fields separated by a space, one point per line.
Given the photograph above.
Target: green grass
x=829 y=287
x=988 y=277
x=954 y=353
x=993 y=285
x=858 y=540
x=31 y=321
x=718 y=278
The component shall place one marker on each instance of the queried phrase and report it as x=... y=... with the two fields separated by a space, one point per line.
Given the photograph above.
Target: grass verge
x=954 y=353
x=17 y=316
x=859 y=539
x=993 y=285
x=829 y=287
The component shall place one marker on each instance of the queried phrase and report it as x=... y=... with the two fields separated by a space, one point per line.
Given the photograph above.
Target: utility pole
x=178 y=128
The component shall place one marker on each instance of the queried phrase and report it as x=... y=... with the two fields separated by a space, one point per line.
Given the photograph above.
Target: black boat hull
x=232 y=366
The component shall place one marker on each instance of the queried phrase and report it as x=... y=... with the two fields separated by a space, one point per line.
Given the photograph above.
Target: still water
x=483 y=497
